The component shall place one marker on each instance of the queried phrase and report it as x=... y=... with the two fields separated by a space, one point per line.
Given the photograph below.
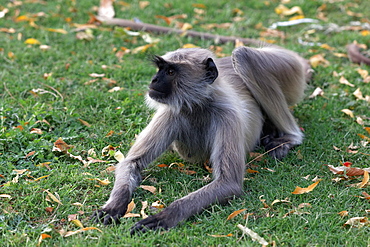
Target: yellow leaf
x=70 y=233
x=32 y=41
x=282 y=10
x=297 y=17
x=365 y=180
x=142 y=48
x=348 y=112
x=189 y=46
x=298 y=190
x=327 y=47
x=317 y=60
x=57 y=30
x=365 y=32
x=144 y=4
x=235 y=213
x=37 y=179
x=130 y=207
x=77 y=223
x=103 y=182
x=363 y=73
x=53 y=197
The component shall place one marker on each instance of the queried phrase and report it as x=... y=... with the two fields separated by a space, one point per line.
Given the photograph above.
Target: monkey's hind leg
x=276 y=143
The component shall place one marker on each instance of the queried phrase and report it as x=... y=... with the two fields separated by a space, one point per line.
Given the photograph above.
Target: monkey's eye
x=170 y=72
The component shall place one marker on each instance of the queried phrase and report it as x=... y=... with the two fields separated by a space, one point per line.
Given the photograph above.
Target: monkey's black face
x=162 y=83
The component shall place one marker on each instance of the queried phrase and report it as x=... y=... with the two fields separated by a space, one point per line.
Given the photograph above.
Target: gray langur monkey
x=214 y=110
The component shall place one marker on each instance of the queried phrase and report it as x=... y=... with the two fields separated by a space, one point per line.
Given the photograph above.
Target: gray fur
x=220 y=122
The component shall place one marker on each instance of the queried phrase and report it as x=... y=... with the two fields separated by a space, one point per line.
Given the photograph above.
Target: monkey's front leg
x=227 y=157
x=127 y=179
x=151 y=143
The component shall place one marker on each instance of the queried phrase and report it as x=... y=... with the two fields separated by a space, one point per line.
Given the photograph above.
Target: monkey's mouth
x=155 y=94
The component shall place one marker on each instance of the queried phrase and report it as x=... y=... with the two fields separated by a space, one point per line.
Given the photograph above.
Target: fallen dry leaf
x=348 y=112
x=235 y=213
x=349 y=171
x=42 y=237
x=32 y=41
x=343 y=213
x=149 y=188
x=357 y=222
x=298 y=190
x=317 y=92
x=365 y=180
x=344 y=81
x=54 y=198
x=70 y=233
x=317 y=60
x=220 y=236
x=142 y=211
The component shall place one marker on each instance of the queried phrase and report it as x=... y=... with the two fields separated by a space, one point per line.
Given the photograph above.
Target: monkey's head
x=183 y=79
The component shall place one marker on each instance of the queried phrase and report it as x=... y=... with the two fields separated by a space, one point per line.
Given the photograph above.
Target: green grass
x=70 y=60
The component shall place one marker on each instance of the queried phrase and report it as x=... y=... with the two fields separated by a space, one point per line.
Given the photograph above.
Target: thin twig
x=45 y=85
x=268 y=151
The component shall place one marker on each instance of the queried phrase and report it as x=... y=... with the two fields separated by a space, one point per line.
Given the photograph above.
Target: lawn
x=72 y=101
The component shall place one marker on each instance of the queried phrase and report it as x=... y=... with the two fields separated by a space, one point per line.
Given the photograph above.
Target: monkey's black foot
x=278 y=147
x=163 y=220
x=107 y=216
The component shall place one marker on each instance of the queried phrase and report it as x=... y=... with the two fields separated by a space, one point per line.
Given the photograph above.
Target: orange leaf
x=252 y=171
x=343 y=213
x=298 y=190
x=235 y=213
x=30 y=154
x=162 y=165
x=367 y=129
x=221 y=236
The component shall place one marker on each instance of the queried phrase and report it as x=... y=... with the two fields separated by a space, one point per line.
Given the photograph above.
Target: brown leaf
x=235 y=213
x=298 y=190
x=149 y=188
x=61 y=146
x=84 y=122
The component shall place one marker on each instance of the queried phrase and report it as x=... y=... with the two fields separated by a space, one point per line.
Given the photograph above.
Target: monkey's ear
x=158 y=61
x=211 y=70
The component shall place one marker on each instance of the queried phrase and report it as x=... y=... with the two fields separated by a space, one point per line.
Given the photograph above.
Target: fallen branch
x=166 y=30
x=355 y=55
x=217 y=38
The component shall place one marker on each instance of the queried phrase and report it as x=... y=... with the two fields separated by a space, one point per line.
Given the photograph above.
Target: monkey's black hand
x=103 y=216
x=110 y=213
x=163 y=220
